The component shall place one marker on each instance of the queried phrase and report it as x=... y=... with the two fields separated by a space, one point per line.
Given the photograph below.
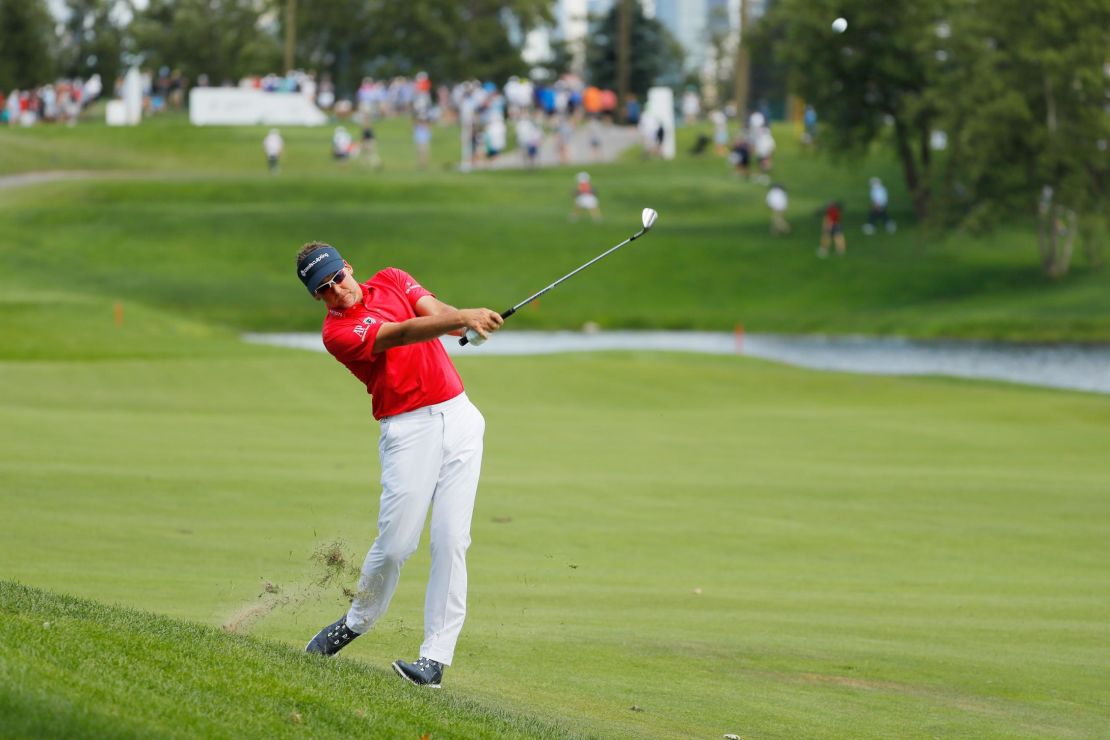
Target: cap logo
x=308 y=267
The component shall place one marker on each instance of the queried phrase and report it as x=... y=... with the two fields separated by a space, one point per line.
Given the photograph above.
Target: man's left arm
x=429 y=305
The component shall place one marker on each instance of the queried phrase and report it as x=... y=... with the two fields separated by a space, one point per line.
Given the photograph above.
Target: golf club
x=648 y=217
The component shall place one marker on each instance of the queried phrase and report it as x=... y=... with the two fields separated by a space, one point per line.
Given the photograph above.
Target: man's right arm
x=422 y=328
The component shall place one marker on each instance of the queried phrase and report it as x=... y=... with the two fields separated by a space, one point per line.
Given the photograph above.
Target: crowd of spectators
x=485 y=112
x=58 y=102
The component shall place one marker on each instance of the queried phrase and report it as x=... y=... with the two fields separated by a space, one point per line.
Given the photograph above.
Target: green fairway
x=725 y=545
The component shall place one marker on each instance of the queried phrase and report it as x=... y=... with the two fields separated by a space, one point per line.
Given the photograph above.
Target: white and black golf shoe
x=332 y=638
x=424 y=672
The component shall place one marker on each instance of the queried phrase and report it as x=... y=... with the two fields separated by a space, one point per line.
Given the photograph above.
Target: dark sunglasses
x=336 y=279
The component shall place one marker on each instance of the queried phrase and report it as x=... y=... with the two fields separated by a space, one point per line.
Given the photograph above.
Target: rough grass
x=74 y=668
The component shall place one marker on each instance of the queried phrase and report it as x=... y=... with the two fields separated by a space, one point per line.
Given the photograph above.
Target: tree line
x=226 y=40
x=347 y=40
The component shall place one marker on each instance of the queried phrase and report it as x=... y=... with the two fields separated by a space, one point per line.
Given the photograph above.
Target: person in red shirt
x=386 y=332
x=832 y=230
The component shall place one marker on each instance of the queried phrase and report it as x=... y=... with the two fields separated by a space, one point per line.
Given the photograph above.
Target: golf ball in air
x=839 y=25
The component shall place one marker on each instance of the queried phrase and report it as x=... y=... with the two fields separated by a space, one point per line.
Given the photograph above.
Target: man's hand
x=482 y=320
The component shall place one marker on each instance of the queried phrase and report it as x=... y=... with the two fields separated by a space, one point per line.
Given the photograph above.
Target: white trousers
x=430 y=457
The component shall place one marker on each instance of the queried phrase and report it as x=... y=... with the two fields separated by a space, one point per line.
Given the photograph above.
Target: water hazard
x=1074 y=367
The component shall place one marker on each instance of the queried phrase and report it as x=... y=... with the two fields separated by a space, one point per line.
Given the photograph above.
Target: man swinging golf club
x=386 y=331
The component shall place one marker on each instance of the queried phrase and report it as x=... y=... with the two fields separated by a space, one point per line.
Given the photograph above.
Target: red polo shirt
x=403 y=378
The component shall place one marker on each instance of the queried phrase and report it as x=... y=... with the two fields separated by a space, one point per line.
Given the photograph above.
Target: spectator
x=341 y=144
x=700 y=145
x=764 y=152
x=13 y=108
x=878 y=212
x=609 y=105
x=831 y=230
x=422 y=94
x=496 y=137
x=368 y=148
x=809 y=121
x=325 y=94
x=777 y=202
x=273 y=145
x=422 y=140
x=591 y=101
x=720 y=131
x=595 y=138
x=632 y=111
x=741 y=157
x=691 y=106
x=585 y=198
x=564 y=130
x=529 y=136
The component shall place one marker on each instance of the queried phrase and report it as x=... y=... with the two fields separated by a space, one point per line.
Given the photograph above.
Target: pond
x=1071 y=366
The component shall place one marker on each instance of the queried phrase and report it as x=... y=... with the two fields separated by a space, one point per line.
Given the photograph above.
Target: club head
x=648 y=216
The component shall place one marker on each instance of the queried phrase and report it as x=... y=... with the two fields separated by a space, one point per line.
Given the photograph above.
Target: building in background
x=697 y=24
x=572 y=25
x=687 y=21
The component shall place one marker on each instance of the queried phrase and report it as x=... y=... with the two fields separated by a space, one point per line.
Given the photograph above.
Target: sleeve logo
x=362 y=328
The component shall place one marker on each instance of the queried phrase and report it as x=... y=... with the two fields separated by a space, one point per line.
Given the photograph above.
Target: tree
x=560 y=61
x=26 y=44
x=334 y=36
x=882 y=70
x=656 y=55
x=224 y=39
x=92 y=40
x=1019 y=90
x=1023 y=104
x=450 y=41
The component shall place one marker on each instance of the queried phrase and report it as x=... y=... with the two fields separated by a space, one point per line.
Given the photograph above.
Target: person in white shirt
x=764 y=152
x=691 y=107
x=273 y=145
x=879 y=200
x=496 y=136
x=341 y=142
x=529 y=136
x=720 y=131
x=777 y=201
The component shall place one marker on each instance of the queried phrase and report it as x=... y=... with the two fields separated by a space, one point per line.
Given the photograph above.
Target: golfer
x=386 y=331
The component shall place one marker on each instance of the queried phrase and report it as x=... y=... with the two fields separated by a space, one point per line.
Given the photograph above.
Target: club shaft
x=571 y=274
x=506 y=314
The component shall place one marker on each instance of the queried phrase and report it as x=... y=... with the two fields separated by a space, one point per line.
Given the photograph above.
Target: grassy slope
x=875 y=557
x=495 y=238
x=74 y=668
